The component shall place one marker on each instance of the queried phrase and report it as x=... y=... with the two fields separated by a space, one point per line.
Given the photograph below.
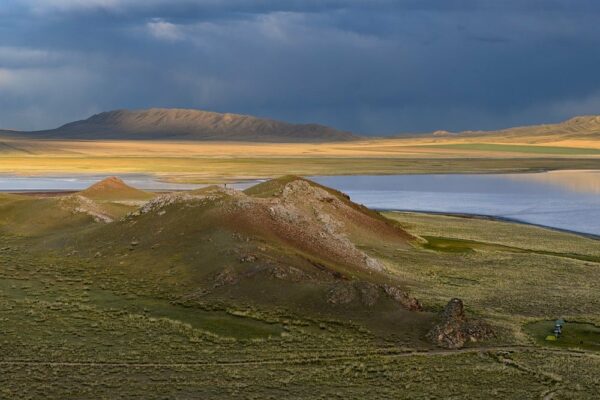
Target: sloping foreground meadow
x=285 y=290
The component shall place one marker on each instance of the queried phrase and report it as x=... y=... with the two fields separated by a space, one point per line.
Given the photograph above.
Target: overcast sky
x=370 y=66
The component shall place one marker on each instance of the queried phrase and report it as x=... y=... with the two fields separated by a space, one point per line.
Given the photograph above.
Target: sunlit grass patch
x=516 y=148
x=574 y=334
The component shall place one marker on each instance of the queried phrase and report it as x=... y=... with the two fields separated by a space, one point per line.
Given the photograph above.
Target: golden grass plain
x=206 y=161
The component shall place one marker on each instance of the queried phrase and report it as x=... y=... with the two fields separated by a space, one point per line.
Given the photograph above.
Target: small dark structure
x=558 y=324
x=557 y=330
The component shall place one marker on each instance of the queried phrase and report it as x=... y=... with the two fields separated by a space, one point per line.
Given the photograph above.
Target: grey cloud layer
x=367 y=66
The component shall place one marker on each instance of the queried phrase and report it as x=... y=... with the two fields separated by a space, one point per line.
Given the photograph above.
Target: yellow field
x=397 y=147
x=217 y=161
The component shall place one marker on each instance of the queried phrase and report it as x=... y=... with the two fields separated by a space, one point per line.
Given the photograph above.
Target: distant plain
x=217 y=161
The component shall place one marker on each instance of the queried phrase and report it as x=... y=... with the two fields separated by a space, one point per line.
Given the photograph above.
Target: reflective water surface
x=563 y=199
x=79 y=182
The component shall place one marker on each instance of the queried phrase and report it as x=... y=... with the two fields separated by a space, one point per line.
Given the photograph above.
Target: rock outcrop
x=341 y=294
x=369 y=295
x=455 y=329
x=82 y=205
x=406 y=301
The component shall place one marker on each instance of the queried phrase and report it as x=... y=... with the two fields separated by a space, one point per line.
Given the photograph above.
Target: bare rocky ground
x=77 y=203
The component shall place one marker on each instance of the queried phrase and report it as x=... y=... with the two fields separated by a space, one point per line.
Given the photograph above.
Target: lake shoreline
x=57 y=185
x=490 y=218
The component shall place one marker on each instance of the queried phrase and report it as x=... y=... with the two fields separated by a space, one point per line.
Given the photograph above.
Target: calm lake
x=562 y=199
x=10 y=183
x=567 y=200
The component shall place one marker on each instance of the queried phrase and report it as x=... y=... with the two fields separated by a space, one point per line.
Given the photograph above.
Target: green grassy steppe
x=115 y=319
x=515 y=148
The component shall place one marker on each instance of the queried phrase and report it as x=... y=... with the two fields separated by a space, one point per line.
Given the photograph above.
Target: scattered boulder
x=226 y=277
x=159 y=203
x=288 y=273
x=373 y=263
x=369 y=293
x=80 y=204
x=455 y=329
x=248 y=258
x=341 y=294
x=408 y=302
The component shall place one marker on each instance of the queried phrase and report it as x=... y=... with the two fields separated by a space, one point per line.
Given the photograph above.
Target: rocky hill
x=287 y=244
x=187 y=124
x=288 y=241
x=312 y=240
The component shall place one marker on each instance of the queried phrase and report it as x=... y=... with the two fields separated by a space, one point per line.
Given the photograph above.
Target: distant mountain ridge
x=198 y=125
x=189 y=124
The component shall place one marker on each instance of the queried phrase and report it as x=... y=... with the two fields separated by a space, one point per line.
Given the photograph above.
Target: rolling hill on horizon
x=189 y=124
x=578 y=127
x=587 y=126
x=198 y=125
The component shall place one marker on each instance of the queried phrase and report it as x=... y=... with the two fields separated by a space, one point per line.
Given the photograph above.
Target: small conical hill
x=113 y=188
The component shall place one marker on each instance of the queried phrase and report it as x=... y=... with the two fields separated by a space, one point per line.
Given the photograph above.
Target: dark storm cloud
x=367 y=66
